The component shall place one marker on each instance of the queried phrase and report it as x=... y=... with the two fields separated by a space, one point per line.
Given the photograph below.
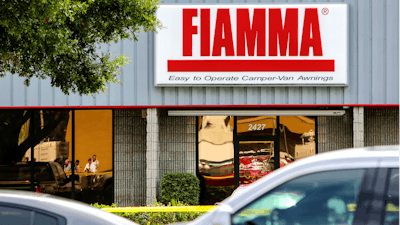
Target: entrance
x=255 y=147
x=238 y=150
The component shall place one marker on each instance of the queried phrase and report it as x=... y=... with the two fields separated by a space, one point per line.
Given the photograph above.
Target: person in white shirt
x=90 y=167
x=96 y=162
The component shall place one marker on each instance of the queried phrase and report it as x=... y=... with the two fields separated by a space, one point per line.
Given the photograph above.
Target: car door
x=328 y=197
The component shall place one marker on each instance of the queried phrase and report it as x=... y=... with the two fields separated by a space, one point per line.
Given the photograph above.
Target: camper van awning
x=256 y=112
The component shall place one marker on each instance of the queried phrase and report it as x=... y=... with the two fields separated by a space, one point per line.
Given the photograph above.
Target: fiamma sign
x=252 y=45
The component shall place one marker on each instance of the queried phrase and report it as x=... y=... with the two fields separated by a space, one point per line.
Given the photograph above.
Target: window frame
x=383 y=212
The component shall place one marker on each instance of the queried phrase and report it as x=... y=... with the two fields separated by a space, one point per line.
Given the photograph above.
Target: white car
x=24 y=207
x=355 y=186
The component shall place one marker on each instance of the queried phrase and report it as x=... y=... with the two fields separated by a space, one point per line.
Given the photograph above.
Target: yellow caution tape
x=247 y=212
x=88 y=174
x=389 y=207
x=162 y=209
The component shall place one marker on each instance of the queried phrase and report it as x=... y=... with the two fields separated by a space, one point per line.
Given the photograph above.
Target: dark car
x=104 y=186
x=49 y=177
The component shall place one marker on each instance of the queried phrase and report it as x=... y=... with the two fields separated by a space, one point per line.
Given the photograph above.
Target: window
x=216 y=158
x=44 y=219
x=22 y=215
x=11 y=215
x=320 y=198
x=22 y=172
x=392 y=199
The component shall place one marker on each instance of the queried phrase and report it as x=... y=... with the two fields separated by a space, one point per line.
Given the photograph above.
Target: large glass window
x=297 y=137
x=93 y=154
x=50 y=132
x=216 y=156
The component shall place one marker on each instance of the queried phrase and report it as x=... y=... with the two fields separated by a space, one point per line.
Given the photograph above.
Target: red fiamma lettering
x=205 y=32
x=188 y=30
x=311 y=22
x=284 y=34
x=223 y=34
x=250 y=33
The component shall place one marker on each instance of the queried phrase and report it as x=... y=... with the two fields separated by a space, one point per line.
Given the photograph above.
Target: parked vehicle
x=49 y=177
x=356 y=186
x=104 y=185
x=22 y=207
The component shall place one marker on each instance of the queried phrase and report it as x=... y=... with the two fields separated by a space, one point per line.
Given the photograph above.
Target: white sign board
x=291 y=44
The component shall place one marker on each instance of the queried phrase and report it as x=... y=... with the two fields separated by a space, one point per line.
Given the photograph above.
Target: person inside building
x=96 y=162
x=89 y=166
x=67 y=165
x=77 y=167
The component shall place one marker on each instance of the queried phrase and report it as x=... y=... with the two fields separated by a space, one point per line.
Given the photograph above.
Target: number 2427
x=256 y=126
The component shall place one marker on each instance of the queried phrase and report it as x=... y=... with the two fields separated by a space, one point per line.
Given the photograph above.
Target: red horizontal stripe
x=137 y=107
x=251 y=65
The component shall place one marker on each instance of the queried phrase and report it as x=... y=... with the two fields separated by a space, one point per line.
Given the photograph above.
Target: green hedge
x=156 y=218
x=183 y=187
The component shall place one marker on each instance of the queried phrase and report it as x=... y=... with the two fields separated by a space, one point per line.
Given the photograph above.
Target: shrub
x=183 y=187
x=156 y=218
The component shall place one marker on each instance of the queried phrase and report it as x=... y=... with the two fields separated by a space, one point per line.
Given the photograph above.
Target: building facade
x=159 y=127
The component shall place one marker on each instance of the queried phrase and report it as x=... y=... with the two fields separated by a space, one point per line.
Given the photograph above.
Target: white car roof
x=372 y=157
x=73 y=211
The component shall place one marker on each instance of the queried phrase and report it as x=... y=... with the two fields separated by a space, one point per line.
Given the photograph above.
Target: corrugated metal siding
x=129 y=158
x=335 y=132
x=177 y=144
x=381 y=127
x=373 y=66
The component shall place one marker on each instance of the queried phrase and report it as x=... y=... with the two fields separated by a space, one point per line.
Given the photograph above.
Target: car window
x=42 y=172
x=392 y=199
x=319 y=198
x=44 y=219
x=11 y=215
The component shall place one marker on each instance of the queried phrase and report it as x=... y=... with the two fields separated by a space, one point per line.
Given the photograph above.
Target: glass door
x=255 y=160
x=256 y=144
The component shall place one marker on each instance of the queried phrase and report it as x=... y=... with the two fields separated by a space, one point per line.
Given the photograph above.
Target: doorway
x=238 y=150
x=256 y=141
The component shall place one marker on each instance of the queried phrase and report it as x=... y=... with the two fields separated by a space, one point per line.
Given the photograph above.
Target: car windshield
x=23 y=172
